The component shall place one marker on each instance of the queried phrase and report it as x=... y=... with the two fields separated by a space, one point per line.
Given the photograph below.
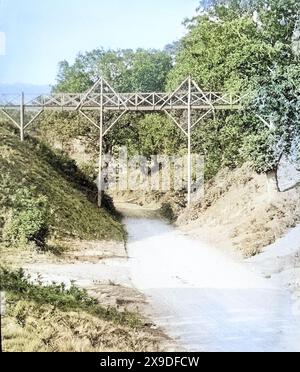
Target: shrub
x=260 y=150
x=167 y=212
x=28 y=221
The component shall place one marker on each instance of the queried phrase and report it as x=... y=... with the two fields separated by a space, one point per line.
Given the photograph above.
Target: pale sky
x=37 y=34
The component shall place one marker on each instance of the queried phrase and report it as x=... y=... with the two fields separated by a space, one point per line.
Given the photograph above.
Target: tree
x=80 y=76
x=222 y=56
x=277 y=103
x=158 y=135
x=296 y=40
x=276 y=19
x=150 y=70
x=249 y=46
x=126 y=70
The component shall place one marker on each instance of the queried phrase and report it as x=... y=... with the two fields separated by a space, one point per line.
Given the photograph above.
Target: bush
x=28 y=221
x=260 y=150
x=167 y=212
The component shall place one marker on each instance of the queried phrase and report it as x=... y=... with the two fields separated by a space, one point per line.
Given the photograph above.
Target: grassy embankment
x=43 y=196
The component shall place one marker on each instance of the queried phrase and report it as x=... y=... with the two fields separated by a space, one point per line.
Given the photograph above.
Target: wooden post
x=189 y=198
x=100 y=148
x=22 y=117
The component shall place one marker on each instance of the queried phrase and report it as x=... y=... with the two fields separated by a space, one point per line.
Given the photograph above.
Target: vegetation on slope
x=44 y=195
x=55 y=319
x=73 y=299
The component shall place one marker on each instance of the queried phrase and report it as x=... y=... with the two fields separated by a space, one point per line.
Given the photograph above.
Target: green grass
x=41 y=174
x=58 y=319
x=18 y=287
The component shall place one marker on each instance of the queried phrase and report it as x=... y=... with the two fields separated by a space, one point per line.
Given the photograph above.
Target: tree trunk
x=276 y=172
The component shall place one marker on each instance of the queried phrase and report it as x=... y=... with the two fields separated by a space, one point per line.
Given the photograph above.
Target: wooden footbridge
x=102 y=98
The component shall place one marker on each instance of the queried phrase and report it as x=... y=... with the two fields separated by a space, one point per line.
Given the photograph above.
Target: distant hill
x=26 y=88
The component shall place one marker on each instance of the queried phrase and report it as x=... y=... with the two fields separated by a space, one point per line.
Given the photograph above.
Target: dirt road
x=205 y=298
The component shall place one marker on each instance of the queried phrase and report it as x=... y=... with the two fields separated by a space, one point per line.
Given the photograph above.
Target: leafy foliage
x=29 y=218
x=222 y=56
x=158 y=135
x=278 y=101
x=126 y=70
x=220 y=140
x=246 y=46
x=260 y=149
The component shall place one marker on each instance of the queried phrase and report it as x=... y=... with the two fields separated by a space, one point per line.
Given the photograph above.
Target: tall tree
x=126 y=70
x=222 y=55
x=251 y=46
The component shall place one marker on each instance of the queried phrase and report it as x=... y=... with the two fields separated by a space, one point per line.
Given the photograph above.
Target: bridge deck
x=125 y=101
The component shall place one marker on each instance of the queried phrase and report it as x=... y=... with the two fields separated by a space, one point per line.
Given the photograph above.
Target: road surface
x=206 y=299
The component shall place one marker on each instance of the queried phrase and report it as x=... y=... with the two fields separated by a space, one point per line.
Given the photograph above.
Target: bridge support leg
x=22 y=117
x=100 y=150
x=100 y=165
x=189 y=175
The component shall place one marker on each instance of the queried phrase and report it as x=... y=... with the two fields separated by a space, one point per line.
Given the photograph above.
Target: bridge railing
x=137 y=101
